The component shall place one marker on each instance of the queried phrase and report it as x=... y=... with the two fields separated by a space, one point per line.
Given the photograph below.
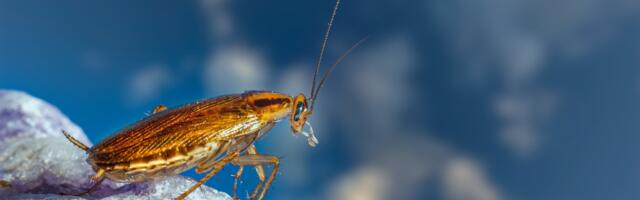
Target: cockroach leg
x=98 y=178
x=99 y=175
x=214 y=169
x=259 y=170
x=158 y=109
x=93 y=188
x=259 y=160
x=235 y=182
x=206 y=163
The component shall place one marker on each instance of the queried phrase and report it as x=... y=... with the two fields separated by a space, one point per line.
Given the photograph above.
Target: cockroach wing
x=184 y=127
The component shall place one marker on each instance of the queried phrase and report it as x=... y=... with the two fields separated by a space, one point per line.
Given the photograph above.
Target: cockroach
x=207 y=135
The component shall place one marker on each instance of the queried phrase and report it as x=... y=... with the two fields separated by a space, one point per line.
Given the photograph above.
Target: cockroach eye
x=299 y=108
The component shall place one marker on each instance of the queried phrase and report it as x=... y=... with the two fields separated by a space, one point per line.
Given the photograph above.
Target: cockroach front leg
x=259 y=160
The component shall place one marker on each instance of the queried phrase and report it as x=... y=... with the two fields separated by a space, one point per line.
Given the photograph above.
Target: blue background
x=484 y=99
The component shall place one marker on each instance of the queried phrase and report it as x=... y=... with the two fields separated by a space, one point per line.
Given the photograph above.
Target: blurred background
x=448 y=99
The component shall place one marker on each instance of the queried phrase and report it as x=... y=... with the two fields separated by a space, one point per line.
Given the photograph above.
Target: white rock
x=22 y=115
x=44 y=165
x=168 y=188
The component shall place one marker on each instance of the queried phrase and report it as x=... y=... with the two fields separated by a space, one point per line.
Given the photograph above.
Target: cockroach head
x=299 y=113
x=301 y=109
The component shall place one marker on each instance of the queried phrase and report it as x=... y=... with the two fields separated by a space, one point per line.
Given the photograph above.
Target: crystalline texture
x=22 y=115
x=39 y=163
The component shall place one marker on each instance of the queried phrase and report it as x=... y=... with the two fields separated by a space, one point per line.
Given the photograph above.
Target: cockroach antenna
x=314 y=89
x=324 y=45
x=326 y=74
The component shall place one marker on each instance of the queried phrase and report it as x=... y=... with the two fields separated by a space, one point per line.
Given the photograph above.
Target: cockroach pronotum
x=206 y=134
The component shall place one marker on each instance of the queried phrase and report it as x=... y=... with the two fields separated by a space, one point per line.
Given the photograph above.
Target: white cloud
x=522 y=139
x=522 y=115
x=409 y=169
x=219 y=20
x=515 y=39
x=148 y=83
x=524 y=60
x=367 y=183
x=399 y=161
x=296 y=79
x=235 y=69
x=489 y=33
x=379 y=74
x=463 y=179
x=232 y=66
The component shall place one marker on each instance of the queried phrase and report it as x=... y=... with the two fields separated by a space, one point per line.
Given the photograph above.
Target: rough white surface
x=22 y=115
x=168 y=188
x=47 y=165
x=40 y=163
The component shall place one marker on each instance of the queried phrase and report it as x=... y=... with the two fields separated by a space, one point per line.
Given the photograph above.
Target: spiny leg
x=214 y=169
x=259 y=159
x=235 y=182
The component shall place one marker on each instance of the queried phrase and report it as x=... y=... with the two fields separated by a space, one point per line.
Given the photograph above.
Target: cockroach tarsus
x=207 y=135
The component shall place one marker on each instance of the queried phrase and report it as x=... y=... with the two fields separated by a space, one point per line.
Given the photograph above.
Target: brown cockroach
x=207 y=135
